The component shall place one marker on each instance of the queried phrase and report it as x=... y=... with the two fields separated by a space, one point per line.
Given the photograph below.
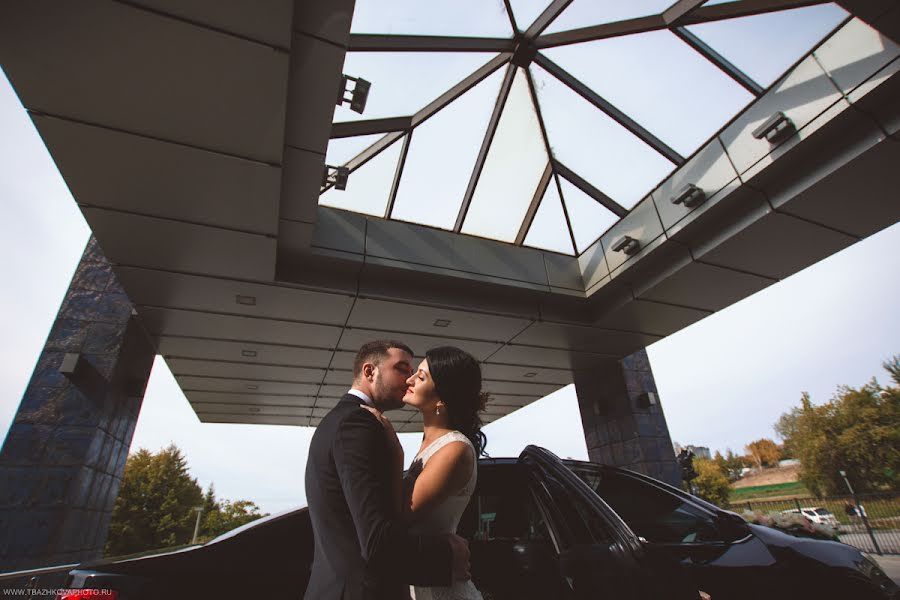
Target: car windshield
x=822 y=512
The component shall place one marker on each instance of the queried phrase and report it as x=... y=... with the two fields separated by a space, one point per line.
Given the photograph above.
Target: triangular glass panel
x=549 y=230
x=585 y=13
x=660 y=82
x=369 y=186
x=765 y=46
x=470 y=18
x=596 y=147
x=442 y=152
x=340 y=150
x=512 y=170
x=526 y=11
x=405 y=82
x=589 y=218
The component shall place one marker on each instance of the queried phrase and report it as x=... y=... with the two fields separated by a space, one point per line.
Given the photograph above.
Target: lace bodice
x=443 y=518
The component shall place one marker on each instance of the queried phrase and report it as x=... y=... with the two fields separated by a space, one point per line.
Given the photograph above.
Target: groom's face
x=389 y=384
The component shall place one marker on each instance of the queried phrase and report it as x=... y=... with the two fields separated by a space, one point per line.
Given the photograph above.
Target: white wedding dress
x=444 y=518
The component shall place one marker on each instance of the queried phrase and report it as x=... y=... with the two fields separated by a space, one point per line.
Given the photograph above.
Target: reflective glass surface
x=765 y=46
x=589 y=218
x=513 y=167
x=549 y=230
x=475 y=18
x=442 y=152
x=341 y=150
x=660 y=82
x=584 y=13
x=404 y=82
x=369 y=186
x=596 y=147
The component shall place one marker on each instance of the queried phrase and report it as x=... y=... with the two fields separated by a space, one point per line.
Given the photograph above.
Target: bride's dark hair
x=457 y=381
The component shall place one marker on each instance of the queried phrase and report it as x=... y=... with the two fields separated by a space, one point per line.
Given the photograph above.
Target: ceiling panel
x=651 y=318
x=252 y=410
x=252 y=419
x=191 y=384
x=590 y=339
x=705 y=286
x=99 y=62
x=134 y=240
x=176 y=290
x=249 y=399
x=168 y=321
x=530 y=390
x=217 y=368
x=394 y=316
x=248 y=352
x=526 y=374
x=353 y=338
x=546 y=357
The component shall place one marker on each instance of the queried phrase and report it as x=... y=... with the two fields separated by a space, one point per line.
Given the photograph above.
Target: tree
x=155 y=505
x=221 y=517
x=857 y=431
x=763 y=452
x=731 y=465
x=711 y=483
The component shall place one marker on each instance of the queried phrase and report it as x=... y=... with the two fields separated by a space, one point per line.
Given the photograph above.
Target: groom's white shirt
x=362 y=396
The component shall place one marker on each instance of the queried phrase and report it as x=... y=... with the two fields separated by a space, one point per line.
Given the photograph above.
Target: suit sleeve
x=360 y=454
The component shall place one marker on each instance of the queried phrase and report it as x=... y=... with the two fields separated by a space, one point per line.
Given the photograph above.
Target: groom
x=362 y=550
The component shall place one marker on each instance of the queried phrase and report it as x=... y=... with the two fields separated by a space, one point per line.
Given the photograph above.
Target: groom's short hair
x=374 y=352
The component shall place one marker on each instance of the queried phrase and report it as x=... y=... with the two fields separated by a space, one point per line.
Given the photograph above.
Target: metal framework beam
x=719 y=61
x=535 y=202
x=354 y=128
x=395 y=185
x=485 y=146
x=370 y=42
x=579 y=182
x=680 y=9
x=620 y=117
x=702 y=14
x=546 y=17
x=511 y=16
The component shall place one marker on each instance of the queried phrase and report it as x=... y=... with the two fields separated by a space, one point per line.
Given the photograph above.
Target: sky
x=722 y=382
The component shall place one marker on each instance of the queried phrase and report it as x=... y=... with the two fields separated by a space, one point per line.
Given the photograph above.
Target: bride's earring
x=437 y=410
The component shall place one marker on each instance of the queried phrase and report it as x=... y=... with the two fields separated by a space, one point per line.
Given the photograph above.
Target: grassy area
x=775 y=490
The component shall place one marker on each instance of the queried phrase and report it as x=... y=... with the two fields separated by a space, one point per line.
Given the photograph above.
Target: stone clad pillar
x=63 y=458
x=623 y=421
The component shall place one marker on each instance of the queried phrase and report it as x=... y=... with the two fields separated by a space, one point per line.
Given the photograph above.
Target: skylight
x=546 y=139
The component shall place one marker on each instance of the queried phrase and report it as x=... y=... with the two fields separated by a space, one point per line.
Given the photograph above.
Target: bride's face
x=420 y=389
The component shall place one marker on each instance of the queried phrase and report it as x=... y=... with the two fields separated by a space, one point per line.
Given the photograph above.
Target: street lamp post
x=861 y=513
x=199 y=510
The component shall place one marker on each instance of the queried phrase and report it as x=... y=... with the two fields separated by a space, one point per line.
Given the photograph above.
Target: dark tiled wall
x=63 y=458
x=618 y=428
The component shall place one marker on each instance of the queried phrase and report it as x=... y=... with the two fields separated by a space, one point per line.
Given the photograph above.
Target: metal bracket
x=775 y=129
x=690 y=196
x=357 y=96
x=336 y=176
x=627 y=244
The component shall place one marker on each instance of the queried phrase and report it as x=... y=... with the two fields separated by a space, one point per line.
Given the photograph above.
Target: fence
x=873 y=527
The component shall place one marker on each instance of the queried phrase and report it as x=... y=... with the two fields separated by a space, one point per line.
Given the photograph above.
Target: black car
x=539 y=527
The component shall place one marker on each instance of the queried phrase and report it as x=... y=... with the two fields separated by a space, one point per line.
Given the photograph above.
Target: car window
x=822 y=512
x=581 y=522
x=503 y=507
x=650 y=512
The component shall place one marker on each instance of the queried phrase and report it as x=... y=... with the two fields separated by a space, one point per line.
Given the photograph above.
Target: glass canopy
x=544 y=125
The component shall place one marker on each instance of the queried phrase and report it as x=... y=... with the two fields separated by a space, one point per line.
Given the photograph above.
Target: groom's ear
x=368 y=370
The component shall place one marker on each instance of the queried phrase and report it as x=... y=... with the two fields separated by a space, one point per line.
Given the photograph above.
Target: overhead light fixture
x=530 y=374
x=251 y=386
x=245 y=300
x=336 y=176
x=253 y=409
x=441 y=322
x=690 y=196
x=775 y=129
x=357 y=96
x=248 y=353
x=627 y=244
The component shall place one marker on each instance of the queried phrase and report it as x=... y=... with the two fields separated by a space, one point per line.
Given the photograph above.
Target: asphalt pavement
x=891 y=566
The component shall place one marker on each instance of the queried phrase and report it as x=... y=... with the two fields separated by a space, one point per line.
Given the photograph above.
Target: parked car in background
x=539 y=528
x=815 y=514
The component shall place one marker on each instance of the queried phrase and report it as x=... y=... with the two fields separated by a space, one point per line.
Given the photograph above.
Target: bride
x=446 y=389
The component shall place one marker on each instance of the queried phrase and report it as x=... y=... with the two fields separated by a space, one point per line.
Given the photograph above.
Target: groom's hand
x=460 y=548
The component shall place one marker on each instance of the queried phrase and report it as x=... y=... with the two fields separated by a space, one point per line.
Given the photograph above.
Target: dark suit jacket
x=361 y=550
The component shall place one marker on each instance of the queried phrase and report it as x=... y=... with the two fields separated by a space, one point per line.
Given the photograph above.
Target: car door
x=715 y=549
x=600 y=557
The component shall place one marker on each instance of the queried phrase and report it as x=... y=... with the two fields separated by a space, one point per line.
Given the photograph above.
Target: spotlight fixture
x=530 y=374
x=253 y=409
x=357 y=96
x=441 y=322
x=336 y=176
x=627 y=244
x=248 y=353
x=251 y=386
x=776 y=128
x=690 y=196
x=245 y=300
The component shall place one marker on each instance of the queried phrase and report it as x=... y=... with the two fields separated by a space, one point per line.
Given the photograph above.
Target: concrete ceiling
x=193 y=139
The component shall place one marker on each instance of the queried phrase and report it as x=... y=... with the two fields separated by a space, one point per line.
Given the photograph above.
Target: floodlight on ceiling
x=336 y=177
x=357 y=96
x=627 y=245
x=775 y=129
x=442 y=322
